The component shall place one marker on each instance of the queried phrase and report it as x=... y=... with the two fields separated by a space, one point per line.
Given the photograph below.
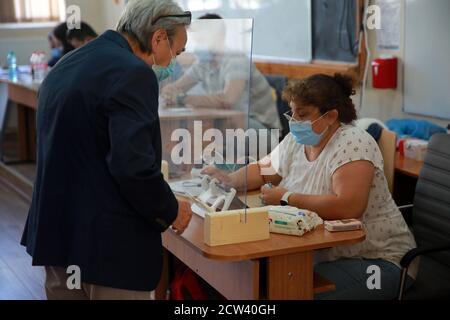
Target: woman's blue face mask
x=303 y=131
x=57 y=53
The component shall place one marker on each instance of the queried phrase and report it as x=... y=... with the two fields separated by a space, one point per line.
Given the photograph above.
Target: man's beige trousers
x=56 y=289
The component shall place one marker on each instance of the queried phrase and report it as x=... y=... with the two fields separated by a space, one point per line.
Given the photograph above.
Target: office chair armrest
x=414 y=253
x=409 y=257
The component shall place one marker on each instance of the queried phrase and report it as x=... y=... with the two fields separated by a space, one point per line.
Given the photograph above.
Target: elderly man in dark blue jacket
x=100 y=200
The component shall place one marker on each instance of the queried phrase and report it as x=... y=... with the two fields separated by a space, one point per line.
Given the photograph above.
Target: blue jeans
x=351 y=276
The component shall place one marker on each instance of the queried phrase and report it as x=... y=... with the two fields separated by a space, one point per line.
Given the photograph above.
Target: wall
x=111 y=12
x=386 y=104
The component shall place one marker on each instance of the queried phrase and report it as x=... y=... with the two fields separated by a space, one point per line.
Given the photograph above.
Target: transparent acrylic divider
x=204 y=110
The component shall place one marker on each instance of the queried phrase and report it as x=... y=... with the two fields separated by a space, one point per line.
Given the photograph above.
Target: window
x=22 y=11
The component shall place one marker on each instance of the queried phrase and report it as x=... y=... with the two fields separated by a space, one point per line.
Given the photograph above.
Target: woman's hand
x=272 y=196
x=220 y=175
x=169 y=94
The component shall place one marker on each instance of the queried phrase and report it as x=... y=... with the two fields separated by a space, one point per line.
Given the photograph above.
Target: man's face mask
x=303 y=131
x=162 y=73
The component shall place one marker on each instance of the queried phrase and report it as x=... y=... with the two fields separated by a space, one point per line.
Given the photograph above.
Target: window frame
x=44 y=24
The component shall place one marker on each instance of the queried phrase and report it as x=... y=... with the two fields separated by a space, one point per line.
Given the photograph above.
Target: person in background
x=331 y=167
x=58 y=44
x=79 y=37
x=225 y=81
x=55 y=49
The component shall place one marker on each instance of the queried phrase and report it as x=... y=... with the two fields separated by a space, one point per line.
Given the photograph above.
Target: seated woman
x=79 y=37
x=225 y=80
x=329 y=166
x=58 y=44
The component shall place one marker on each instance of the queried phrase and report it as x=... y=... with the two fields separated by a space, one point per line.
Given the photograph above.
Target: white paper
x=388 y=37
x=191 y=187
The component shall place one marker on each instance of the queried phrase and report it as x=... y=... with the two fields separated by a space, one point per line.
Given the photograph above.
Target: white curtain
x=39 y=10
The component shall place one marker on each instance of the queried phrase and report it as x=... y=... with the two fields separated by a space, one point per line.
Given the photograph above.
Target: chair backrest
x=431 y=216
x=279 y=83
x=388 y=147
x=387 y=141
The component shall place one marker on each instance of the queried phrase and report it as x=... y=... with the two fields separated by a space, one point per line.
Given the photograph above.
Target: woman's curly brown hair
x=325 y=93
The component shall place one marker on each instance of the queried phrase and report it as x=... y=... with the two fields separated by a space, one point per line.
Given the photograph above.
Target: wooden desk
x=201 y=114
x=408 y=166
x=24 y=94
x=23 y=91
x=303 y=70
x=280 y=268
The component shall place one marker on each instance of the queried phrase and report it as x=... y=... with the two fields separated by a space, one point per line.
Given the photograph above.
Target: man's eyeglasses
x=187 y=15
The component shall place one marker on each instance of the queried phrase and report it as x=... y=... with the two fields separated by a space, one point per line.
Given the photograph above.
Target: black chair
x=431 y=226
x=278 y=83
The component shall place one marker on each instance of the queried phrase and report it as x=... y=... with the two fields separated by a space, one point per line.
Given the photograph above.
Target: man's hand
x=272 y=196
x=184 y=217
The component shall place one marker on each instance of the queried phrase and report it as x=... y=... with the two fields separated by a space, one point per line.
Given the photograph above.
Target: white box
x=343 y=225
x=416 y=149
x=231 y=227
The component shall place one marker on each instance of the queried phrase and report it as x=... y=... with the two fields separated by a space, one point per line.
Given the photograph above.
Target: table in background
x=23 y=93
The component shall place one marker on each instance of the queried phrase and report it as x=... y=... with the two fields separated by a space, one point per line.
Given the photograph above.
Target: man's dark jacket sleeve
x=132 y=161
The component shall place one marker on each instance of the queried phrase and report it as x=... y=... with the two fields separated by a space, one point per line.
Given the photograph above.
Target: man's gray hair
x=138 y=20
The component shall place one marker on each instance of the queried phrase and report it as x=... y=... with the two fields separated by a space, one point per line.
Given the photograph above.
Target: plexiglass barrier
x=204 y=113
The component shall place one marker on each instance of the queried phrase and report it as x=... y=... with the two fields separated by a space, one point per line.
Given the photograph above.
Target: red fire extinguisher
x=384 y=72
